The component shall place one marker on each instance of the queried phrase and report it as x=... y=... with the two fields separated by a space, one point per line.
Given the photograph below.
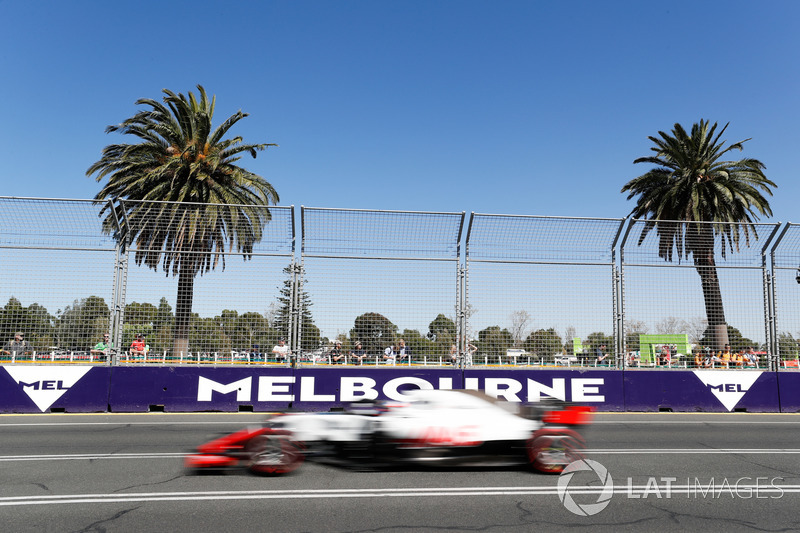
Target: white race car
x=438 y=427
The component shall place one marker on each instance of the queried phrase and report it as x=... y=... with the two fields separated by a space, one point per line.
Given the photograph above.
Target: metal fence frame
x=760 y=261
x=775 y=253
x=442 y=244
x=525 y=252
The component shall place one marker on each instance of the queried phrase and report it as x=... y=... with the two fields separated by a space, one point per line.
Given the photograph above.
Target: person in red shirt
x=138 y=346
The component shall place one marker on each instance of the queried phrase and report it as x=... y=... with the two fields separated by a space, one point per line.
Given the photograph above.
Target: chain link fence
x=379 y=287
x=784 y=289
x=57 y=279
x=198 y=284
x=696 y=294
x=163 y=281
x=540 y=290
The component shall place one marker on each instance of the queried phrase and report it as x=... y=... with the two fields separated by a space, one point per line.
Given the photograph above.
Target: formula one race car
x=434 y=427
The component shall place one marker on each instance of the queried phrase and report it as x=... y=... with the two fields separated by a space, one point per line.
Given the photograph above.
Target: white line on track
x=177 y=423
x=735 y=421
x=660 y=451
x=89 y=456
x=598 y=451
x=698 y=490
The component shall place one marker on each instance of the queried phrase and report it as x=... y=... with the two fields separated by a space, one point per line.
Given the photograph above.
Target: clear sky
x=517 y=107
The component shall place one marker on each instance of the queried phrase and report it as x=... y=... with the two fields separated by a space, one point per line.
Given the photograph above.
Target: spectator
x=665 y=357
x=702 y=357
x=738 y=359
x=336 y=355
x=138 y=347
x=402 y=350
x=750 y=357
x=710 y=359
x=471 y=350
x=601 y=357
x=454 y=353
x=102 y=348
x=725 y=357
x=17 y=346
x=389 y=354
x=280 y=351
x=255 y=353
x=358 y=354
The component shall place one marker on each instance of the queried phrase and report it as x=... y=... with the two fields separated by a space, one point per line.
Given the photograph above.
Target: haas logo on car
x=448 y=436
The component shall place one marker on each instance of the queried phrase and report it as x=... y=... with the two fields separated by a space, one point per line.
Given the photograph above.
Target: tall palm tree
x=178 y=196
x=692 y=197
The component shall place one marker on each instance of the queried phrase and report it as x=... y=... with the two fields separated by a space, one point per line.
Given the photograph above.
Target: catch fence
x=225 y=284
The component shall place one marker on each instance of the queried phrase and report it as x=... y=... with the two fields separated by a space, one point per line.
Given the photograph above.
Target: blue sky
x=495 y=107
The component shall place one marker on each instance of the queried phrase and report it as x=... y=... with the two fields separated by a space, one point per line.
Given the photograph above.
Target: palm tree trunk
x=183 y=309
x=717 y=331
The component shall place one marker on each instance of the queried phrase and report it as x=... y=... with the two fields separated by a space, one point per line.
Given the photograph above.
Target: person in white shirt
x=389 y=354
x=281 y=351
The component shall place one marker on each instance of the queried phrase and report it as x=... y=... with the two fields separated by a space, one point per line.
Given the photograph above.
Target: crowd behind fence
x=192 y=284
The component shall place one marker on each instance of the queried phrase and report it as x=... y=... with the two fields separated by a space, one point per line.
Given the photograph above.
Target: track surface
x=671 y=472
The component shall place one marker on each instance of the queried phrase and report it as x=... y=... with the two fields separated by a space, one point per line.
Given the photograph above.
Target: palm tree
x=692 y=197
x=178 y=195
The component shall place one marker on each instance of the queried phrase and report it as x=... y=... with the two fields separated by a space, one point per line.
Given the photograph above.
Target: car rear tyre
x=273 y=455
x=551 y=451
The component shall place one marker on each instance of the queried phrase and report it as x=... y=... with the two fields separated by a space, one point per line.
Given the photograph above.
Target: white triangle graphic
x=44 y=385
x=728 y=386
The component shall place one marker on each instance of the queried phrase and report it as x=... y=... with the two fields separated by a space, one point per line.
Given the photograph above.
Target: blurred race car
x=436 y=427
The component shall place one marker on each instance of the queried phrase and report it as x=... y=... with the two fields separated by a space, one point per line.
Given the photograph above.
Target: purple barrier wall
x=179 y=389
x=45 y=388
x=323 y=388
x=789 y=388
x=265 y=389
x=50 y=388
x=701 y=390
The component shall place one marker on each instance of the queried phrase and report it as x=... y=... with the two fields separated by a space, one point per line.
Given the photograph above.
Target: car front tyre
x=274 y=455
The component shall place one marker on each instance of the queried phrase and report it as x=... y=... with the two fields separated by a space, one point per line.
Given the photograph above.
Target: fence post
x=770 y=300
x=120 y=284
x=621 y=291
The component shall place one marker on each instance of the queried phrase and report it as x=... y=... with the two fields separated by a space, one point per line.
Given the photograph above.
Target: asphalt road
x=670 y=472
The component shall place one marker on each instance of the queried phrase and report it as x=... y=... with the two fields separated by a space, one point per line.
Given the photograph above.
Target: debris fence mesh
x=211 y=284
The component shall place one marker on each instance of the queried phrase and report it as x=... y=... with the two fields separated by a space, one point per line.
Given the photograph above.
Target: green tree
x=34 y=321
x=14 y=318
x=215 y=206
x=597 y=339
x=141 y=314
x=693 y=196
x=544 y=343
x=209 y=337
x=632 y=341
x=310 y=333
x=442 y=335
x=374 y=331
x=737 y=341
x=164 y=317
x=83 y=323
x=787 y=346
x=252 y=330
x=494 y=341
